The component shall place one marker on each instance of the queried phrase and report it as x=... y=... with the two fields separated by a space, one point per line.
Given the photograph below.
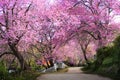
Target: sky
x=52 y=1
x=116 y=19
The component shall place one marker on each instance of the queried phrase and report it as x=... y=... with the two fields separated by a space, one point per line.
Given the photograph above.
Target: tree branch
x=5 y=54
x=90 y=33
x=28 y=8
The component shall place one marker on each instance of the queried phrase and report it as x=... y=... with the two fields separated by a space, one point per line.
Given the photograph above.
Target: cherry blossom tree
x=14 y=28
x=95 y=17
x=49 y=24
x=90 y=17
x=84 y=40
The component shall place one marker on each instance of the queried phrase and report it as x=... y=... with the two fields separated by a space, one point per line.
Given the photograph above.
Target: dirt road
x=74 y=73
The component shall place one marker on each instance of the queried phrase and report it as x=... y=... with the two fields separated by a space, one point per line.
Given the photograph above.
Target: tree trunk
x=84 y=54
x=85 y=57
x=20 y=58
x=23 y=63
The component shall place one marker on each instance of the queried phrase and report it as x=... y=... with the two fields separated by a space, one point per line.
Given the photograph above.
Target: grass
x=30 y=75
x=25 y=75
x=62 y=70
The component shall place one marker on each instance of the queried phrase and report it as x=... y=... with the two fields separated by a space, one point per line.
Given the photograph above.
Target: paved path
x=74 y=73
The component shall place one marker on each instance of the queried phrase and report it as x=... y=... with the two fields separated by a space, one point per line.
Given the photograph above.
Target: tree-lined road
x=74 y=73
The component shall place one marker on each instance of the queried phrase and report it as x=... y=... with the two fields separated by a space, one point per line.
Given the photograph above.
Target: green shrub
x=3 y=71
x=25 y=75
x=108 y=61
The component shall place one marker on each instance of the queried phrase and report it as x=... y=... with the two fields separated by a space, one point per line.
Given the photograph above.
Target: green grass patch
x=25 y=75
x=63 y=70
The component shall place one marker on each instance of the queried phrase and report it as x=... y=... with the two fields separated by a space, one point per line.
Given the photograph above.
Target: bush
x=25 y=75
x=102 y=54
x=108 y=60
x=3 y=71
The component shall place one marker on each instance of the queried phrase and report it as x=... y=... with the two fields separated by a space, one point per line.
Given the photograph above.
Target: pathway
x=74 y=73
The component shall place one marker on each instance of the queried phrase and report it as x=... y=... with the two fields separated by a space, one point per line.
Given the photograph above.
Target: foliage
x=117 y=42
x=3 y=71
x=107 y=61
x=48 y=26
x=25 y=75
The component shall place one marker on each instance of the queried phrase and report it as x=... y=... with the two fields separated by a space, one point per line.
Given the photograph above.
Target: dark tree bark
x=20 y=58
x=84 y=54
x=5 y=54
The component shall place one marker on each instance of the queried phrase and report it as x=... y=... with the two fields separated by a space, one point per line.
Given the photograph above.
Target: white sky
x=51 y=2
x=116 y=19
